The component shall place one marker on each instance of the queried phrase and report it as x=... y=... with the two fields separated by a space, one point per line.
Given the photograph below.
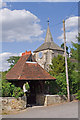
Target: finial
x=48 y=21
x=63 y=21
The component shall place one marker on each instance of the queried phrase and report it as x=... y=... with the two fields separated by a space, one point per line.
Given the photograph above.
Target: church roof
x=48 y=37
x=26 y=70
x=48 y=44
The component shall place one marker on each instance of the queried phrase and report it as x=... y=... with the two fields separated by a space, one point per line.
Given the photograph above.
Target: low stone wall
x=40 y=99
x=12 y=104
x=8 y=104
x=49 y=99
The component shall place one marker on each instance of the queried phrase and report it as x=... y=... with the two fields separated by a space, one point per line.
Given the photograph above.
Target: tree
x=62 y=46
x=75 y=54
x=57 y=69
x=13 y=60
x=61 y=83
x=75 y=50
x=58 y=65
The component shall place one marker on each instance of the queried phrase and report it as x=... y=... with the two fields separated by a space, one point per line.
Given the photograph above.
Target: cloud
x=3 y=4
x=20 y=25
x=71 y=26
x=3 y=60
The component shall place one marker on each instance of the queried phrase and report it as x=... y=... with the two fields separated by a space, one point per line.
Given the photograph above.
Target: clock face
x=40 y=55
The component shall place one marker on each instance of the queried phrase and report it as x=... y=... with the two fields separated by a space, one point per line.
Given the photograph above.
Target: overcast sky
x=24 y=25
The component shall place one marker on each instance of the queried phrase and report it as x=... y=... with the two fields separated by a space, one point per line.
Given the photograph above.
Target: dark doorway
x=31 y=97
x=36 y=87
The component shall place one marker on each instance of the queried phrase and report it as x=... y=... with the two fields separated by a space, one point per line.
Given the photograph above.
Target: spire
x=48 y=37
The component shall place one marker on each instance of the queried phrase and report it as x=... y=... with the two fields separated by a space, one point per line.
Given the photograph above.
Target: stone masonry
x=10 y=104
x=45 y=53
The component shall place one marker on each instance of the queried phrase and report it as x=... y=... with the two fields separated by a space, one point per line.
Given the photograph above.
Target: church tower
x=45 y=53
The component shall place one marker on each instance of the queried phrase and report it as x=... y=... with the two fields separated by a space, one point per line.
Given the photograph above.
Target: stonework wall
x=54 y=99
x=49 y=99
x=47 y=56
x=12 y=104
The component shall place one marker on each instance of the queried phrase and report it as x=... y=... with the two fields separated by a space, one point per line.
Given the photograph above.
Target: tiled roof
x=48 y=45
x=23 y=70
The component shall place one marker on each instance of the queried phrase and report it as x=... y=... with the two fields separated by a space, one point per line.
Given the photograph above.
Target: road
x=66 y=110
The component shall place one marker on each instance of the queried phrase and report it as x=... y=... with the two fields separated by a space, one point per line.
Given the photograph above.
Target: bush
x=61 y=82
x=17 y=92
x=78 y=95
x=9 y=90
x=6 y=89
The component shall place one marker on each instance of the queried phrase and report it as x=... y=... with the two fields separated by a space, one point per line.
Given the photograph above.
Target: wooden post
x=68 y=93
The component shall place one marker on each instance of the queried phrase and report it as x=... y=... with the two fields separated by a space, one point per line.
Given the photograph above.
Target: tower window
x=40 y=55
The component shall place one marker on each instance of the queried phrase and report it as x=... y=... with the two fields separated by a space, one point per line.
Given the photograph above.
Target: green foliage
x=13 y=60
x=8 y=89
x=62 y=46
x=74 y=81
x=78 y=95
x=17 y=92
x=58 y=71
x=61 y=82
x=58 y=65
x=74 y=50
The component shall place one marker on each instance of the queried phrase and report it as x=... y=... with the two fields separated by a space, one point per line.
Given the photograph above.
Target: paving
x=66 y=110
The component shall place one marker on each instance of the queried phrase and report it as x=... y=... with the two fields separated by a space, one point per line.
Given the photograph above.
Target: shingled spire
x=49 y=43
x=48 y=37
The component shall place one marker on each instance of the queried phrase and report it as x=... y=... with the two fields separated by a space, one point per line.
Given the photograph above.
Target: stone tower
x=47 y=51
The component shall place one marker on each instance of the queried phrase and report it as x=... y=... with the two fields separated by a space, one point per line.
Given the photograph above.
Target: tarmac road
x=66 y=110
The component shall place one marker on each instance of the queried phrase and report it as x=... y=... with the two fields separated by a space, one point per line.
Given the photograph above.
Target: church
x=45 y=53
x=33 y=69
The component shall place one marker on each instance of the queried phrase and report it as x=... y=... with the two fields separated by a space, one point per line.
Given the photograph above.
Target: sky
x=24 y=25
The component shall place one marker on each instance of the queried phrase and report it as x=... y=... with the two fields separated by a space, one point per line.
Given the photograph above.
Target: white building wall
x=47 y=56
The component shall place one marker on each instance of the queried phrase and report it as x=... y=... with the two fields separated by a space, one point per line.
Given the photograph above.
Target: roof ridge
x=24 y=64
x=25 y=57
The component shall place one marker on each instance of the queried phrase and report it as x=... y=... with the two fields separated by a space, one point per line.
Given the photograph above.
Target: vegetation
x=8 y=89
x=58 y=65
x=62 y=46
x=57 y=69
x=78 y=95
x=13 y=60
